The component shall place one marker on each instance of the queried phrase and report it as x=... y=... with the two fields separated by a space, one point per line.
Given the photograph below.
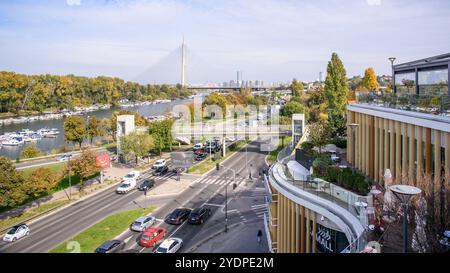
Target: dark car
x=161 y=171
x=111 y=246
x=146 y=185
x=178 y=216
x=178 y=170
x=200 y=157
x=199 y=215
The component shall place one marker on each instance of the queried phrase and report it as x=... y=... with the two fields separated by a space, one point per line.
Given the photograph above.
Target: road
x=208 y=190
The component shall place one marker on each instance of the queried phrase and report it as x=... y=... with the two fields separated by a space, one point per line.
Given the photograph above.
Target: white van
x=198 y=146
x=126 y=186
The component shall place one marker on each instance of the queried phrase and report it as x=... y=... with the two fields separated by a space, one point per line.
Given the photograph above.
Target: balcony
x=438 y=105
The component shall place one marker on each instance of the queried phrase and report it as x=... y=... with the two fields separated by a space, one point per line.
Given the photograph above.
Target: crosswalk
x=219 y=180
x=259 y=210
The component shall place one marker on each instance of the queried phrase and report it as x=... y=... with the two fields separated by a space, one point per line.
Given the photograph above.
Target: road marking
x=257 y=206
x=209 y=204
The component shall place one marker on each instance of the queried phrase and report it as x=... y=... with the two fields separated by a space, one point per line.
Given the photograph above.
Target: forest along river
x=47 y=144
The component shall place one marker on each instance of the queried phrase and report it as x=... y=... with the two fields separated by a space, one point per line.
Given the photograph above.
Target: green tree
x=292 y=107
x=136 y=144
x=40 y=181
x=12 y=190
x=95 y=128
x=84 y=166
x=75 y=129
x=336 y=91
x=319 y=135
x=161 y=132
x=30 y=152
x=370 y=79
x=297 y=88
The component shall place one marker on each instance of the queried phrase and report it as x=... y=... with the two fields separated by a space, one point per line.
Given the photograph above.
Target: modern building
x=125 y=125
x=407 y=132
x=298 y=127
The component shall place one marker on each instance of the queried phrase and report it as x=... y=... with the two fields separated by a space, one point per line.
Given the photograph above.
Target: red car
x=152 y=236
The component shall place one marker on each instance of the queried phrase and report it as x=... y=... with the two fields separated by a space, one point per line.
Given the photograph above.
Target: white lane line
x=216 y=205
x=258 y=206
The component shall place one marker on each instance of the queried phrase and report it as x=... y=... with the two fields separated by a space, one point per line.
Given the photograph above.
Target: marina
x=46 y=132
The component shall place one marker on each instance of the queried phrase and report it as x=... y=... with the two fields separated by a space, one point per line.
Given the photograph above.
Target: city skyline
x=131 y=39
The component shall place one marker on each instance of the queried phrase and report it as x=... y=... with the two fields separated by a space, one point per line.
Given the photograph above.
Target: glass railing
x=430 y=104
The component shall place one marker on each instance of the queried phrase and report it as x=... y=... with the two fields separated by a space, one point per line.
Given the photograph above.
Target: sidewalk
x=240 y=238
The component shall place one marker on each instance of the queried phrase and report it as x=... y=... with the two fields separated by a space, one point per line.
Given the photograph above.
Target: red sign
x=102 y=161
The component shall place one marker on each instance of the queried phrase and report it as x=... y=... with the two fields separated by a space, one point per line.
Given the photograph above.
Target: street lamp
x=353 y=126
x=226 y=192
x=404 y=193
x=392 y=59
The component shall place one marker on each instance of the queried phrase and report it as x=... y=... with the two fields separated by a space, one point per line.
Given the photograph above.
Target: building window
x=405 y=82
x=433 y=82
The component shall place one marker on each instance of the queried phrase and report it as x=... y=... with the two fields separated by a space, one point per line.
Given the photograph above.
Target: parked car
x=230 y=139
x=178 y=216
x=161 y=171
x=64 y=157
x=200 y=157
x=199 y=215
x=126 y=186
x=198 y=146
x=142 y=223
x=171 y=245
x=152 y=236
x=134 y=175
x=111 y=246
x=159 y=163
x=146 y=185
x=16 y=232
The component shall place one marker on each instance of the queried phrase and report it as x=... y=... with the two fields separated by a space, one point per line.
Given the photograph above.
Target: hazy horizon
x=273 y=41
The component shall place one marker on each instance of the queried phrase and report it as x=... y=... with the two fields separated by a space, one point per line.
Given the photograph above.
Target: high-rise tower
x=183 y=63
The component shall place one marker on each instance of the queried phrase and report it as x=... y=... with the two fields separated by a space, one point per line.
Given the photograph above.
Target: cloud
x=73 y=2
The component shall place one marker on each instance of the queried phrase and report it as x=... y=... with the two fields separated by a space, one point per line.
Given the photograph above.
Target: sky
x=270 y=40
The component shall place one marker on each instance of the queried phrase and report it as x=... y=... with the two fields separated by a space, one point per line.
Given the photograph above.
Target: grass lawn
x=273 y=155
x=105 y=230
x=57 y=168
x=31 y=213
x=207 y=165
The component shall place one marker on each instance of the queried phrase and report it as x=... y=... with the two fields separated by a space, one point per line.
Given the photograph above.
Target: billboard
x=102 y=161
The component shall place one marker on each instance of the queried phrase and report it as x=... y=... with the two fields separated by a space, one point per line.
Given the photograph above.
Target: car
x=152 y=236
x=161 y=171
x=146 y=185
x=177 y=216
x=199 y=215
x=64 y=157
x=111 y=246
x=198 y=146
x=142 y=223
x=230 y=139
x=16 y=232
x=134 y=175
x=171 y=245
x=200 y=157
x=159 y=163
x=126 y=186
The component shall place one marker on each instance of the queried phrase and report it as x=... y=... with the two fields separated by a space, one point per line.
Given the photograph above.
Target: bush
x=332 y=174
x=30 y=152
x=307 y=146
x=340 y=142
x=321 y=164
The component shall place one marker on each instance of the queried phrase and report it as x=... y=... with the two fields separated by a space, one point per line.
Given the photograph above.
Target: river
x=47 y=144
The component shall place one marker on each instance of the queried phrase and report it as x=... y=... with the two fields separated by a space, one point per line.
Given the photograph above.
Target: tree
x=319 y=135
x=95 y=128
x=30 y=152
x=75 y=129
x=84 y=166
x=370 y=79
x=12 y=191
x=40 y=181
x=336 y=91
x=297 y=88
x=136 y=144
x=161 y=132
x=291 y=108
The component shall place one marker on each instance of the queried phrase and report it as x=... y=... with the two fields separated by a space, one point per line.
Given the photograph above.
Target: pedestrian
x=259 y=235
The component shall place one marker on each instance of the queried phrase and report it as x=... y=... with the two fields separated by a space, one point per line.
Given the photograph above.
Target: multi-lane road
x=208 y=190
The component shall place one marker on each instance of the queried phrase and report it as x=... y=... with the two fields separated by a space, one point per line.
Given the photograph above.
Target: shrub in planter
x=307 y=146
x=332 y=174
x=340 y=142
x=320 y=165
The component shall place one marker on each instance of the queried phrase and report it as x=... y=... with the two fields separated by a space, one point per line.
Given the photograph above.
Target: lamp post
x=392 y=59
x=353 y=126
x=404 y=193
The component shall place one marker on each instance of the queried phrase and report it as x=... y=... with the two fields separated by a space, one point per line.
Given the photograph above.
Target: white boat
x=13 y=142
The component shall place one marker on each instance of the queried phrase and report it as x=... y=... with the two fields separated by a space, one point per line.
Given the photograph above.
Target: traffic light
x=234 y=186
x=217 y=166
